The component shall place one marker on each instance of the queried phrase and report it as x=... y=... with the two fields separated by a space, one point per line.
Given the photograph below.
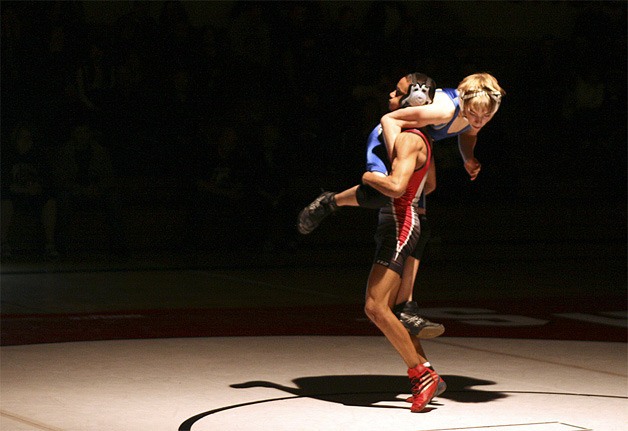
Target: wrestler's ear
x=420 y=91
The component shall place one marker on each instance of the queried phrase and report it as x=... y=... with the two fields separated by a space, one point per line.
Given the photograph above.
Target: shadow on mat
x=368 y=390
x=359 y=391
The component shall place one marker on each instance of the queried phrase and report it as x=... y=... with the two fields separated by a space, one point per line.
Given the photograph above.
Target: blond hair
x=480 y=92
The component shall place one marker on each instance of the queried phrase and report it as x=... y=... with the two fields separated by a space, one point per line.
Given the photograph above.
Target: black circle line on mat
x=187 y=424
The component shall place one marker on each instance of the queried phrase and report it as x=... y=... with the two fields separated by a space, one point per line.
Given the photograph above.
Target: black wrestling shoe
x=408 y=314
x=313 y=214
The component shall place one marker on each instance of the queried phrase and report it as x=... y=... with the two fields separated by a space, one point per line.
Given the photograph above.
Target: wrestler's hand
x=473 y=167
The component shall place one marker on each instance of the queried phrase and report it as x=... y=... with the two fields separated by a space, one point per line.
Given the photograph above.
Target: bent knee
x=375 y=312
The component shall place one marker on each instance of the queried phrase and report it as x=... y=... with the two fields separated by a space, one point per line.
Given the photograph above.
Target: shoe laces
x=321 y=206
x=414 y=320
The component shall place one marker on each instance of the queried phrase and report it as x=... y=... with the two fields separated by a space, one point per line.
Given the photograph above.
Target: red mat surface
x=602 y=319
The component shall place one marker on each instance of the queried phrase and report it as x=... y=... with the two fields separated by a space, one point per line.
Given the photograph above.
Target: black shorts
x=424 y=238
x=396 y=237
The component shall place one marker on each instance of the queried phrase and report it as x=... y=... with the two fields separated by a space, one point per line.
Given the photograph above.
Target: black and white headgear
x=420 y=91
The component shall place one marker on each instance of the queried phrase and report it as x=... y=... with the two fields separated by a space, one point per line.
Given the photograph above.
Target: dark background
x=295 y=87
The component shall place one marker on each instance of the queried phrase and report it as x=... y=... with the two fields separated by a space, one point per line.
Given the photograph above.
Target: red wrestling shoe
x=424 y=385
x=440 y=388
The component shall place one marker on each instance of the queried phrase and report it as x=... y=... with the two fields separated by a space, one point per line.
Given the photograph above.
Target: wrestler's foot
x=440 y=388
x=313 y=214
x=424 y=384
x=408 y=314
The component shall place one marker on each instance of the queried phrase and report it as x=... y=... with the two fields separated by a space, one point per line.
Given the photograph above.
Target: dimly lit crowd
x=245 y=121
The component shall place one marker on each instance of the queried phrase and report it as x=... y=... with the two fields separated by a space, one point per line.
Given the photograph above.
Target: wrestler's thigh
x=383 y=285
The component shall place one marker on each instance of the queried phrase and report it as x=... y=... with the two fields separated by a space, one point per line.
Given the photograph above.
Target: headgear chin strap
x=420 y=92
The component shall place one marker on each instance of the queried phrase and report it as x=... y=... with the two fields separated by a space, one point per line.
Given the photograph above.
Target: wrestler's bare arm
x=410 y=152
x=466 y=146
x=416 y=117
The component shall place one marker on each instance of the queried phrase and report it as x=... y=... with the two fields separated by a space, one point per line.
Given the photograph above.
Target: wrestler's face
x=395 y=96
x=478 y=118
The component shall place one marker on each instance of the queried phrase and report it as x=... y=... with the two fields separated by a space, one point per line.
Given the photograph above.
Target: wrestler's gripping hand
x=473 y=167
